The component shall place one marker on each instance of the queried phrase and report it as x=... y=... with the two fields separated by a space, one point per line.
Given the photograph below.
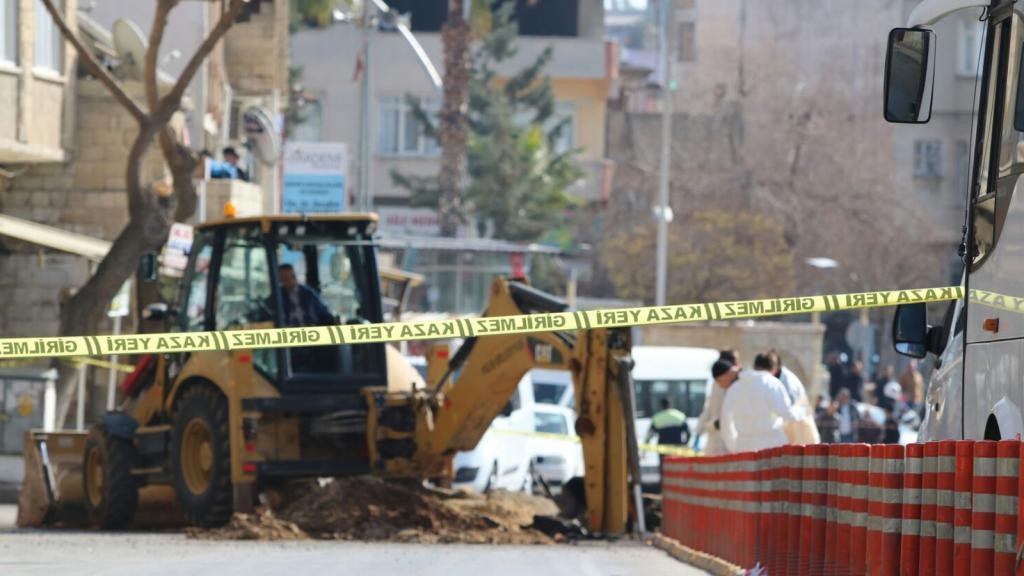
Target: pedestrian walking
x=848 y=416
x=912 y=383
x=854 y=381
x=754 y=408
x=709 y=422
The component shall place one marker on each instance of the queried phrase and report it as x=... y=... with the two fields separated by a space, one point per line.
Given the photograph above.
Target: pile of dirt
x=368 y=508
x=260 y=526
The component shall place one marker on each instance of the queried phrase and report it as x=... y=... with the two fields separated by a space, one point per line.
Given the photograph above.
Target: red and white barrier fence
x=945 y=508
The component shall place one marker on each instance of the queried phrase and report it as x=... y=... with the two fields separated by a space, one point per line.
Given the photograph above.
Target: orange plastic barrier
x=944 y=508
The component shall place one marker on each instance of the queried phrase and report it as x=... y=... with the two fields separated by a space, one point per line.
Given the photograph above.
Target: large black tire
x=201 y=454
x=111 y=492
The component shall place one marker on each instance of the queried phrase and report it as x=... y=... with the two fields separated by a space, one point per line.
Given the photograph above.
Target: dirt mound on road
x=261 y=526
x=368 y=508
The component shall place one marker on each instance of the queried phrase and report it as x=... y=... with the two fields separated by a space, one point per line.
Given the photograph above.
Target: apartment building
x=62 y=157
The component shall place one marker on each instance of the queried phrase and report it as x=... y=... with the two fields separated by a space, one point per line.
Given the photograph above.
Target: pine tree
x=517 y=180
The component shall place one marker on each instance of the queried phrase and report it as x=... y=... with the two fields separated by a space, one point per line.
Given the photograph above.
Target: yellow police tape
x=666 y=450
x=76 y=361
x=63 y=346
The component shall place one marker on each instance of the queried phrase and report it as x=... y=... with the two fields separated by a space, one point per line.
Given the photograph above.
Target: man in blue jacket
x=302 y=305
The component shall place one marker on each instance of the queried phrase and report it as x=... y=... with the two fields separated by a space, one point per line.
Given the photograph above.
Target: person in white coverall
x=710 y=417
x=755 y=407
x=802 y=432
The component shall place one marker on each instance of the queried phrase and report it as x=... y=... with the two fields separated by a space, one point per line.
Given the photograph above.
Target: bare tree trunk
x=150 y=214
x=455 y=35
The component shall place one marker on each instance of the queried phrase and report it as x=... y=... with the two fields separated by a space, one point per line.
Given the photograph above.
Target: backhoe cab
x=208 y=430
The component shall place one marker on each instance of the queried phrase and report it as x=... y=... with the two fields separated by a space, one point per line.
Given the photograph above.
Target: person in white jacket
x=710 y=417
x=754 y=409
x=805 y=431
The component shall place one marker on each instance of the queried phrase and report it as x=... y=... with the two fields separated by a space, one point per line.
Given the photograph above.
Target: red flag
x=357 y=74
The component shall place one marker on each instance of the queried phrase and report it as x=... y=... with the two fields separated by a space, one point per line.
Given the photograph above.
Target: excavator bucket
x=51 y=491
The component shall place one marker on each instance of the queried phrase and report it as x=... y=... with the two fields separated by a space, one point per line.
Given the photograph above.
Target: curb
x=712 y=564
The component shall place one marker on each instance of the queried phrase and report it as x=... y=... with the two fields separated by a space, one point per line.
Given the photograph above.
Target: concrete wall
x=799 y=345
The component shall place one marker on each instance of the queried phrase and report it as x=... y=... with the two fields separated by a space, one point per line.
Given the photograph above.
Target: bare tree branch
x=94 y=67
x=228 y=18
x=156 y=38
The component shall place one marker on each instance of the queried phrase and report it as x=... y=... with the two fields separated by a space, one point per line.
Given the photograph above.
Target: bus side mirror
x=148 y=267
x=911 y=334
x=909 y=75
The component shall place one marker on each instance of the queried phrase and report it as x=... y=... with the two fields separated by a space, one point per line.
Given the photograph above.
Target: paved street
x=30 y=553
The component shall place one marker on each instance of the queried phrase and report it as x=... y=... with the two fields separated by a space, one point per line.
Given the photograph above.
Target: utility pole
x=363 y=198
x=662 y=211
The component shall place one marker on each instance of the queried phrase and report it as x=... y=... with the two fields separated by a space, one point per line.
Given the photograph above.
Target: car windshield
x=550 y=423
x=548 y=392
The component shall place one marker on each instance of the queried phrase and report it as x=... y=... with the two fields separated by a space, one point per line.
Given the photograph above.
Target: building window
x=927 y=158
x=687 y=41
x=9 y=31
x=49 y=44
x=968 y=47
x=400 y=132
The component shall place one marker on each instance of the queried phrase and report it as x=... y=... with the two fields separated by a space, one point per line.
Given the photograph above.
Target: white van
x=682 y=374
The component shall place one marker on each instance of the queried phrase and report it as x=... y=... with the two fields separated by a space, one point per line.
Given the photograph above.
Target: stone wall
x=256 y=51
x=85 y=194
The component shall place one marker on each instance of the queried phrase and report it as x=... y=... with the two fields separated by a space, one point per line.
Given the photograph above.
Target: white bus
x=977 y=389
x=681 y=374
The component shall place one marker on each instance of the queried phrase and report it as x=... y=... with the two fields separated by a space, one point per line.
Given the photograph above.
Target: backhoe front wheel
x=202 y=456
x=111 y=493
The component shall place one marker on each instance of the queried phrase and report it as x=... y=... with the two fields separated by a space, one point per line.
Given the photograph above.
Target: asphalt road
x=30 y=553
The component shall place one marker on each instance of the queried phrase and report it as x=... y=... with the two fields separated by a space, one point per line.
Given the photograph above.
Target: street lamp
x=821 y=263
x=385 y=15
x=663 y=213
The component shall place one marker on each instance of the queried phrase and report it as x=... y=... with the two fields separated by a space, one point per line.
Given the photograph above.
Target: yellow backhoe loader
x=201 y=434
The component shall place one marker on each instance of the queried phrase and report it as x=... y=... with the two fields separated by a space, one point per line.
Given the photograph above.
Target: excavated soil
x=369 y=508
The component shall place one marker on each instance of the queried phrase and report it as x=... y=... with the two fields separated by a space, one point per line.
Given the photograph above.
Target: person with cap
x=754 y=410
x=710 y=417
x=231 y=157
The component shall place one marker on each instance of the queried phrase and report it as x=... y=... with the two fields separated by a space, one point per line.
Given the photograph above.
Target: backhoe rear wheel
x=201 y=450
x=111 y=493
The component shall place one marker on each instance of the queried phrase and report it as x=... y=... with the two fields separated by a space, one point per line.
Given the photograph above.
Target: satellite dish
x=131 y=46
x=261 y=135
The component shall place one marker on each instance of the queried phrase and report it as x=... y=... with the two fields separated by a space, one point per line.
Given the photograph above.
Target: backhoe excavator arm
x=454 y=413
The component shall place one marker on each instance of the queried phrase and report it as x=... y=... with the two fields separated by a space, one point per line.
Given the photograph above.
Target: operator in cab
x=302 y=305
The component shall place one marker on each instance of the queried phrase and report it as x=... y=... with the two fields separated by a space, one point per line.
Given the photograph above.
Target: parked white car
x=504 y=456
x=556 y=461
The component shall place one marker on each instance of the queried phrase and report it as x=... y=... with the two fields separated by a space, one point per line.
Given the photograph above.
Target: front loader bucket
x=51 y=491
